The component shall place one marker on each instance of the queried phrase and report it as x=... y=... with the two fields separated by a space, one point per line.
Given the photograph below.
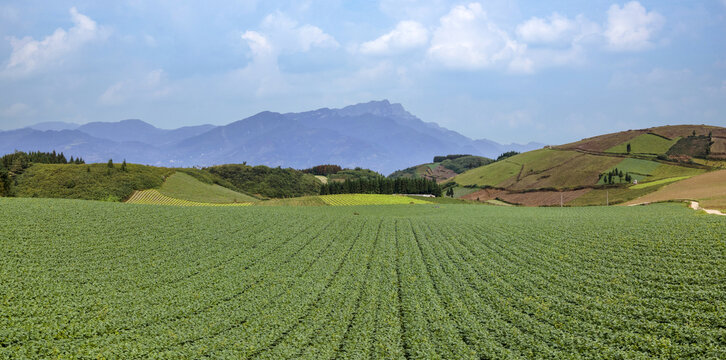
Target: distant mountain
x=54 y=125
x=136 y=130
x=376 y=135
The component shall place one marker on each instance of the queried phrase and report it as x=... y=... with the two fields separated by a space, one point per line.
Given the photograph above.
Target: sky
x=510 y=71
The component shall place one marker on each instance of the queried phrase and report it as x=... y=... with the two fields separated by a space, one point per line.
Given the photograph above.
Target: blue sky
x=547 y=71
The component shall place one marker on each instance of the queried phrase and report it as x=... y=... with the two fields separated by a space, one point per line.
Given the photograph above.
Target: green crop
x=83 y=279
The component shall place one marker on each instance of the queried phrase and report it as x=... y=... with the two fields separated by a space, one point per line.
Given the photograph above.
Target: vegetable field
x=83 y=279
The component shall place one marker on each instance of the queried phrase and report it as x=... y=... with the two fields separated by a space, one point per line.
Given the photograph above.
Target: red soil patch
x=484 y=195
x=439 y=174
x=687 y=130
x=543 y=198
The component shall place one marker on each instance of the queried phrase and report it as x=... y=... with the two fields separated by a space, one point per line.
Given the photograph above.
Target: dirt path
x=693 y=205
x=696 y=206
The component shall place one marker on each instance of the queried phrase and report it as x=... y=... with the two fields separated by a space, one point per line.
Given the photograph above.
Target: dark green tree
x=123 y=165
x=628 y=148
x=110 y=163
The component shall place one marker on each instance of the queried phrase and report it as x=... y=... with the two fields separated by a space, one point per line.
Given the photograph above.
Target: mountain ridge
x=379 y=135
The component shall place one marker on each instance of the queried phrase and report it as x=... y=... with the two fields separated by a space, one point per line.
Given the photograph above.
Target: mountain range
x=378 y=135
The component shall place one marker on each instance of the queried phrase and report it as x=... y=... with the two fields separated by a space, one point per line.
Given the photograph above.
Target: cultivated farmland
x=85 y=279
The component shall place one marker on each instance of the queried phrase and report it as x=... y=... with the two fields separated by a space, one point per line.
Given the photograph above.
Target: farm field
x=185 y=187
x=708 y=188
x=645 y=144
x=155 y=197
x=417 y=282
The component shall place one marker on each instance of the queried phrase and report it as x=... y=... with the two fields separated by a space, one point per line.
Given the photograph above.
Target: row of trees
x=324 y=170
x=12 y=165
x=449 y=157
x=614 y=174
x=382 y=186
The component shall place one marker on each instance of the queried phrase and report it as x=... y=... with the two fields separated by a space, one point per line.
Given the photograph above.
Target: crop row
x=390 y=282
x=154 y=197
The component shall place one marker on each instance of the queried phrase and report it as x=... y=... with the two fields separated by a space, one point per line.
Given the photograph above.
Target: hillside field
x=114 y=280
x=708 y=188
x=185 y=187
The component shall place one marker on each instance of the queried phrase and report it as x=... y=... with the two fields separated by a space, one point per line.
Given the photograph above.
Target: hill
x=378 y=135
x=443 y=167
x=593 y=171
x=89 y=182
x=709 y=189
x=267 y=182
x=183 y=186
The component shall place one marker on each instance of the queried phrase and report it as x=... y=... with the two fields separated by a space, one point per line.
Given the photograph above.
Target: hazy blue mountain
x=376 y=135
x=76 y=143
x=54 y=125
x=140 y=131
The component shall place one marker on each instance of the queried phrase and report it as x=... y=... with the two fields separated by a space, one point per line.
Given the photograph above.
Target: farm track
x=390 y=282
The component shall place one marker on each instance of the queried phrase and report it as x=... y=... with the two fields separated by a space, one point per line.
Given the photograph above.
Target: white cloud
x=150 y=86
x=556 y=29
x=17 y=110
x=466 y=39
x=278 y=34
x=287 y=36
x=406 y=35
x=632 y=27
x=29 y=55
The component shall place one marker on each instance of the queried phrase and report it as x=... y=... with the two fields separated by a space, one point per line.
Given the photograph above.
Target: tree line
x=12 y=165
x=382 y=186
x=612 y=175
x=324 y=170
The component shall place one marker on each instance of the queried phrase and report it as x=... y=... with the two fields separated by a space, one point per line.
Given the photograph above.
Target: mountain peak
x=381 y=108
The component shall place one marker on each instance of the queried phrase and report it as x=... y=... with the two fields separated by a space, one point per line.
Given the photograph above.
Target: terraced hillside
x=578 y=171
x=378 y=282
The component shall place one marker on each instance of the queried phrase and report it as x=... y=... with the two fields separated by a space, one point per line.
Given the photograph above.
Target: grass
x=89 y=182
x=185 y=187
x=489 y=175
x=297 y=201
x=442 y=200
x=154 y=197
x=604 y=142
x=543 y=168
x=599 y=197
x=665 y=171
x=577 y=171
x=639 y=169
x=716 y=202
x=498 y=202
x=84 y=279
x=644 y=144
x=460 y=191
x=657 y=182
x=370 y=199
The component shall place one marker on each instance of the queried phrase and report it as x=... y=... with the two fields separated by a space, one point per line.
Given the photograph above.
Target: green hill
x=186 y=187
x=445 y=168
x=268 y=182
x=657 y=157
x=89 y=182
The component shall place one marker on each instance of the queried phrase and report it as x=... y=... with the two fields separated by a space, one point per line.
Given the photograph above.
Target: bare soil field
x=604 y=142
x=687 y=130
x=719 y=146
x=440 y=174
x=484 y=195
x=705 y=187
x=543 y=198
